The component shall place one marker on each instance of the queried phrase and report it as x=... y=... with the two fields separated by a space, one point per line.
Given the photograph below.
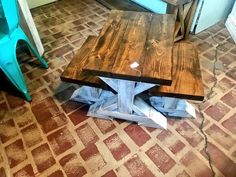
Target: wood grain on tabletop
x=73 y=73
x=129 y=37
x=187 y=80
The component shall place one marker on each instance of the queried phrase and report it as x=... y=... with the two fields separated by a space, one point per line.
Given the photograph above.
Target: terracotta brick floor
x=52 y=136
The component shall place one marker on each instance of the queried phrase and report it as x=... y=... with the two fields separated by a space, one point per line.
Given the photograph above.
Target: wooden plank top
x=73 y=73
x=187 y=80
x=134 y=37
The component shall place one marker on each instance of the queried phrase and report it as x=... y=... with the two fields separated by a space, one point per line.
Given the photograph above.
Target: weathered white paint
x=212 y=12
x=28 y=24
x=37 y=3
x=231 y=23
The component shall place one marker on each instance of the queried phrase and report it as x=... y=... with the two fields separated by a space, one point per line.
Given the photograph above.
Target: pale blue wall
x=157 y=6
x=212 y=12
x=234 y=10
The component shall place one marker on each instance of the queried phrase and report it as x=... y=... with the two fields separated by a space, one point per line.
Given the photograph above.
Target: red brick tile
x=198 y=121
x=207 y=77
x=177 y=147
x=193 y=137
x=164 y=135
x=43 y=157
x=60 y=51
x=210 y=55
x=226 y=47
x=230 y=124
x=203 y=35
x=58 y=43
x=221 y=161
x=27 y=171
x=230 y=99
x=61 y=140
x=52 y=76
x=162 y=160
x=117 y=147
x=217 y=111
x=233 y=51
x=93 y=158
x=137 y=134
x=14 y=101
x=220 y=136
x=57 y=173
x=31 y=135
x=38 y=72
x=232 y=73
x=48 y=115
x=137 y=168
x=79 y=21
x=65 y=94
x=2 y=172
x=53 y=123
x=104 y=126
x=203 y=46
x=15 y=153
x=23 y=117
x=225 y=84
x=110 y=173
x=195 y=165
x=86 y=134
x=45 y=109
x=34 y=85
x=183 y=174
x=70 y=106
x=39 y=96
x=72 y=166
x=79 y=115
x=78 y=43
x=150 y=129
x=3 y=110
x=57 y=63
x=74 y=37
x=7 y=131
x=69 y=56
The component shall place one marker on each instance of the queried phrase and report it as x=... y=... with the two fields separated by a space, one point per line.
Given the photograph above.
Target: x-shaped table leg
x=127 y=105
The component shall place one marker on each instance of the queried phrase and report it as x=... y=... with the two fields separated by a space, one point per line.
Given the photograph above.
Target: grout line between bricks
x=208 y=96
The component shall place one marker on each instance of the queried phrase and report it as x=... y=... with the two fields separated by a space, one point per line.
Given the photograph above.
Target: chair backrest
x=10 y=12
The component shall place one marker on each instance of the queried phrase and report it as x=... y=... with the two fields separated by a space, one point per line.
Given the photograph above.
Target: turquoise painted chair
x=10 y=34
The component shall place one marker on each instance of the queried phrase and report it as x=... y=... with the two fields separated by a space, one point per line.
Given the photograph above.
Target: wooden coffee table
x=132 y=54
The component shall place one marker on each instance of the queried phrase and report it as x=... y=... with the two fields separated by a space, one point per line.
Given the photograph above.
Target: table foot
x=173 y=107
x=142 y=113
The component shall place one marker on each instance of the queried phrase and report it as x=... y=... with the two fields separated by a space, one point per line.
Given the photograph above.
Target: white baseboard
x=231 y=26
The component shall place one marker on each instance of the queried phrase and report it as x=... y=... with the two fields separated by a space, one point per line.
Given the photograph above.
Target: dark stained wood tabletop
x=187 y=80
x=73 y=73
x=128 y=37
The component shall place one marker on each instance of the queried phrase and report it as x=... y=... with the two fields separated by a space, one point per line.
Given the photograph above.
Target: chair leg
x=22 y=36
x=42 y=61
x=14 y=74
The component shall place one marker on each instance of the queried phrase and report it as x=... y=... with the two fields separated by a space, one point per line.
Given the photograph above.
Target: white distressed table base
x=127 y=105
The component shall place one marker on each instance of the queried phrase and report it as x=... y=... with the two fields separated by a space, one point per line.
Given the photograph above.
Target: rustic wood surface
x=187 y=80
x=73 y=73
x=129 y=37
